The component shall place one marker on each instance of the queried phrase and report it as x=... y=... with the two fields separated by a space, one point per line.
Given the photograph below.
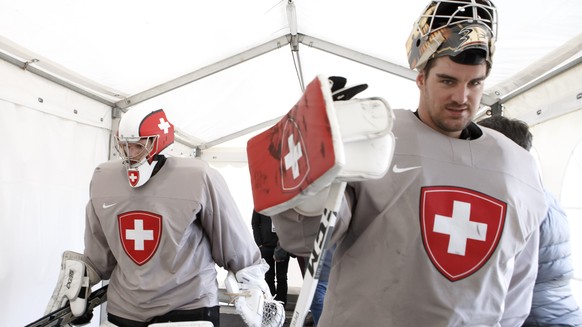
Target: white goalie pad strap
x=73 y=284
x=183 y=324
x=366 y=131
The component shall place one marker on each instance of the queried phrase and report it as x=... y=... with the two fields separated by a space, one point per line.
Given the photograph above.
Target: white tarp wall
x=554 y=110
x=52 y=139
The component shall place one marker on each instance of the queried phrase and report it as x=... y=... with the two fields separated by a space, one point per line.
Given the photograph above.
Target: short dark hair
x=468 y=57
x=515 y=129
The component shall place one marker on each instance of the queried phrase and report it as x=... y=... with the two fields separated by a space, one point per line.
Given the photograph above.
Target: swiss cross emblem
x=164 y=125
x=461 y=228
x=294 y=162
x=133 y=176
x=140 y=233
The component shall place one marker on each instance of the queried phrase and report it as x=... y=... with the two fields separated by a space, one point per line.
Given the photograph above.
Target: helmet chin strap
x=140 y=173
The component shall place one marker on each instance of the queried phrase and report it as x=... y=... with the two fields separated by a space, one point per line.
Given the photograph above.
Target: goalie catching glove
x=74 y=286
x=252 y=299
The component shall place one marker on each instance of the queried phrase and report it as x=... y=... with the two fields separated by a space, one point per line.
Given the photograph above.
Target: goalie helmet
x=451 y=27
x=142 y=135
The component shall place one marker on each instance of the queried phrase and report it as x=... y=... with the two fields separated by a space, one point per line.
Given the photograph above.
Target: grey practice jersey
x=158 y=244
x=449 y=237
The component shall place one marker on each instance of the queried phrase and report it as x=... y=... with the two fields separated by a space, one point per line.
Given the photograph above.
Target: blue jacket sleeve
x=553 y=302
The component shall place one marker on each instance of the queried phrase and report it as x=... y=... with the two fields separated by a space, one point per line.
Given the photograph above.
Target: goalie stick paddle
x=64 y=316
x=317 y=256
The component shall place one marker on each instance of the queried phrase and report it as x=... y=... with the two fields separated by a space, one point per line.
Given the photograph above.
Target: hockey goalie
x=304 y=161
x=156 y=227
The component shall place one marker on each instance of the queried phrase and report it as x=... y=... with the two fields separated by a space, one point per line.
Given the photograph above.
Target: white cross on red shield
x=140 y=233
x=295 y=162
x=460 y=228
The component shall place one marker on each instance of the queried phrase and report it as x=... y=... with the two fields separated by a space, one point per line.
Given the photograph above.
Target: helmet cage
x=442 y=20
x=139 y=124
x=142 y=136
x=142 y=151
x=465 y=13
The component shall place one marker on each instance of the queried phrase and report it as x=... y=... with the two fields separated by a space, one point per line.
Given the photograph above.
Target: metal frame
x=543 y=70
x=204 y=72
x=36 y=64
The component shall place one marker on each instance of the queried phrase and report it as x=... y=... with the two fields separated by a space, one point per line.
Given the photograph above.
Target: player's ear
x=420 y=79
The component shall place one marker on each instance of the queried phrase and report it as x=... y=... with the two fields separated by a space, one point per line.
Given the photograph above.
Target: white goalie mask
x=142 y=135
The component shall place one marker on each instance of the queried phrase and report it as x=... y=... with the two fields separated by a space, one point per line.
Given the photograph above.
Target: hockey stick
x=317 y=256
x=64 y=316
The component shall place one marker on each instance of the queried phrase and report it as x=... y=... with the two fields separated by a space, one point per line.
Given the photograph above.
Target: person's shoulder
x=403 y=112
x=404 y=120
x=188 y=163
x=107 y=166
x=495 y=151
x=109 y=175
x=499 y=141
x=110 y=163
x=188 y=166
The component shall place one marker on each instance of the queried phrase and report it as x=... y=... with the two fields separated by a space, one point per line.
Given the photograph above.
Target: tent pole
x=203 y=72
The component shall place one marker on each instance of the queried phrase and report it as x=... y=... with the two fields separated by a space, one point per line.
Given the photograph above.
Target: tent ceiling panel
x=122 y=49
x=378 y=28
x=133 y=45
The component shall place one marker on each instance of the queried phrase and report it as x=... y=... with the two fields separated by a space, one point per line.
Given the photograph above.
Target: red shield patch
x=461 y=228
x=133 y=176
x=140 y=232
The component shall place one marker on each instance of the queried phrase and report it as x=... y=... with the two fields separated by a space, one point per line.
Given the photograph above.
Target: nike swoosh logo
x=398 y=170
x=105 y=205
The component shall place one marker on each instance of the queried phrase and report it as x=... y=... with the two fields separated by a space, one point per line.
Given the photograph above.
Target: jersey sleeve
x=97 y=250
x=232 y=244
x=297 y=232
x=519 y=294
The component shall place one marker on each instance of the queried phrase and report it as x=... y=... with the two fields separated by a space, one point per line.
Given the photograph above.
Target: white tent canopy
x=231 y=63
x=224 y=70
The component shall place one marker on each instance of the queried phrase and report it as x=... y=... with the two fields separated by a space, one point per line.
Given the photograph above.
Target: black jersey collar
x=471 y=132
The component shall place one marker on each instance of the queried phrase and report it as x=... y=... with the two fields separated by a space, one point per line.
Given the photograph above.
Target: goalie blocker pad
x=317 y=142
